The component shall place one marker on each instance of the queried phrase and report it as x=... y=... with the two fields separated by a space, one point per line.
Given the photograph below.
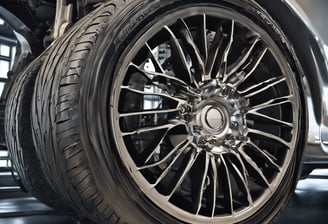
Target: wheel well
x=306 y=46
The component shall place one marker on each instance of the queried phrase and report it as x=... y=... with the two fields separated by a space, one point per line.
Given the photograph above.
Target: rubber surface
x=69 y=110
x=56 y=124
x=19 y=139
x=97 y=133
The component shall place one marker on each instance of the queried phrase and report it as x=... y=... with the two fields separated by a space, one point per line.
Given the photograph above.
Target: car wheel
x=20 y=143
x=56 y=126
x=191 y=112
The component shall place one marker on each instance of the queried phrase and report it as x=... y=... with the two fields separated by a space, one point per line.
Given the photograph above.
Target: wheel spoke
x=255 y=168
x=182 y=172
x=261 y=87
x=218 y=51
x=245 y=178
x=268 y=158
x=251 y=67
x=149 y=112
x=201 y=38
x=272 y=103
x=169 y=167
x=171 y=124
x=201 y=186
x=180 y=64
x=215 y=183
x=158 y=66
x=149 y=75
x=271 y=120
x=213 y=53
x=153 y=147
x=177 y=149
x=228 y=182
x=188 y=41
x=180 y=101
x=269 y=136
x=224 y=63
x=245 y=56
x=241 y=177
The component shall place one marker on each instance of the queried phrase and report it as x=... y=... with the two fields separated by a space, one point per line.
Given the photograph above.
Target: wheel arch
x=308 y=48
x=24 y=25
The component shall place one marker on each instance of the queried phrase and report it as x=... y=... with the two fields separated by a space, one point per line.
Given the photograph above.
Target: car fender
x=311 y=54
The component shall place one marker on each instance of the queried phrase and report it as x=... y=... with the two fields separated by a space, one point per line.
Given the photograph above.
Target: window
x=4 y=68
x=13 y=53
x=5 y=50
x=4 y=159
x=7 y=55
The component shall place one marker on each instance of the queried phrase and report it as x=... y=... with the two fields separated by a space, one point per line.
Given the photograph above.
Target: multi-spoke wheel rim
x=205 y=115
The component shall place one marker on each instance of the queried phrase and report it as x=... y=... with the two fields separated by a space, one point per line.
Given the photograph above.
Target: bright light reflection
x=317 y=181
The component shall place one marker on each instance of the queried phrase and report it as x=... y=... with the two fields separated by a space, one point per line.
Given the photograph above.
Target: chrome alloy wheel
x=205 y=113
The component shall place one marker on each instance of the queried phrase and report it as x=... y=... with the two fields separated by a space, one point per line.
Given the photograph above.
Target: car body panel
x=314 y=15
x=295 y=19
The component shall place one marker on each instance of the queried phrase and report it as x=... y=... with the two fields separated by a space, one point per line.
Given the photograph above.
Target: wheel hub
x=216 y=119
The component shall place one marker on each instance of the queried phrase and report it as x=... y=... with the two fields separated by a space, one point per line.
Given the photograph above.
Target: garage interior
x=308 y=204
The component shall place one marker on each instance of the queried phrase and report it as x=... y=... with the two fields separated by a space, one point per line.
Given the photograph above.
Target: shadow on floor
x=308 y=205
x=310 y=201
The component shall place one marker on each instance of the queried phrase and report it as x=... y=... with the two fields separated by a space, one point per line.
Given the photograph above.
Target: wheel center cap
x=214 y=118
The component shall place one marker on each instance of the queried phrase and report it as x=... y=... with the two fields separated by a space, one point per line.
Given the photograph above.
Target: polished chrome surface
x=206 y=137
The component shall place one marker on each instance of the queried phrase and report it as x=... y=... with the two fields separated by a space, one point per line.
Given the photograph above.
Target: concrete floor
x=310 y=201
x=28 y=210
x=308 y=205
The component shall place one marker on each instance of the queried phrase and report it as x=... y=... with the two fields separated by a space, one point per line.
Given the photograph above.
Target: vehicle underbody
x=38 y=23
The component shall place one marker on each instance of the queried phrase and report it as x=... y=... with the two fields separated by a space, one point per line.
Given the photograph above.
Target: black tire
x=20 y=143
x=90 y=102
x=2 y=125
x=56 y=128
